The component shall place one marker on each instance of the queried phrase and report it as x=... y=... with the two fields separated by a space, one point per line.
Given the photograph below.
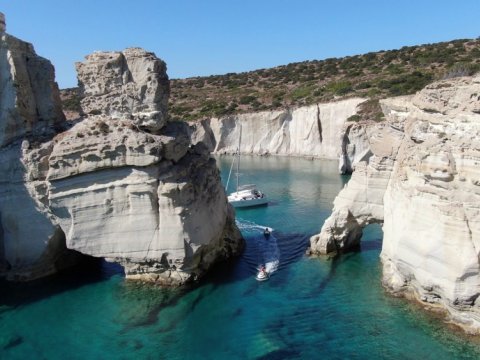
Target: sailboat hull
x=242 y=203
x=247 y=196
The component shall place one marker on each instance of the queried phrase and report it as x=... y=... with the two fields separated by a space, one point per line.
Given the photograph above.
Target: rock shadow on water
x=371 y=245
x=140 y=303
x=88 y=271
x=13 y=341
x=280 y=354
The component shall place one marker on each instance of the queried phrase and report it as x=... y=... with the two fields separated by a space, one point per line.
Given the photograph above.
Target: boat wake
x=268 y=253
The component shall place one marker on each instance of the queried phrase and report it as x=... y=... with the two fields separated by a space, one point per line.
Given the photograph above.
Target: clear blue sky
x=198 y=37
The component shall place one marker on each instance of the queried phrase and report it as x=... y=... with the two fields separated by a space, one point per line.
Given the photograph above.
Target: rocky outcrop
x=313 y=131
x=29 y=100
x=122 y=183
x=428 y=199
x=130 y=84
x=432 y=204
x=31 y=242
x=354 y=145
x=360 y=202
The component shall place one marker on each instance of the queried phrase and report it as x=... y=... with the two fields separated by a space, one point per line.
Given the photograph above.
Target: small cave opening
x=73 y=270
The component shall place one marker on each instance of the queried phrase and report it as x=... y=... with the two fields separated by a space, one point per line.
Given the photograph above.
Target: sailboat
x=246 y=195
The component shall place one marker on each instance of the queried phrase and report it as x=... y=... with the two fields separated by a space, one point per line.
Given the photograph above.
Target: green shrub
x=461 y=69
x=355 y=118
x=406 y=84
x=340 y=88
x=247 y=99
x=301 y=92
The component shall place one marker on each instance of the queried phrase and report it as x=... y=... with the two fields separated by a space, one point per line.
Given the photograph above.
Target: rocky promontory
x=122 y=182
x=422 y=184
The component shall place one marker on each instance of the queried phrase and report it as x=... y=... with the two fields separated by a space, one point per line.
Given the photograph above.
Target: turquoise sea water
x=308 y=309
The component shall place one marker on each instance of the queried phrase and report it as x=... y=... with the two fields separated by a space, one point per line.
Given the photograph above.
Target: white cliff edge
x=123 y=183
x=318 y=131
x=423 y=184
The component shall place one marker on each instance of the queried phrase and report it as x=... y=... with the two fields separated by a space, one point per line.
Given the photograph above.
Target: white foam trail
x=268 y=247
x=272 y=266
x=250 y=225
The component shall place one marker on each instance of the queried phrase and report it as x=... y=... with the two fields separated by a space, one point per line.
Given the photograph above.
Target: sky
x=209 y=37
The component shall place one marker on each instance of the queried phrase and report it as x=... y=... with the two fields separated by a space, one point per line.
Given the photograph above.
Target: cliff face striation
x=31 y=242
x=422 y=182
x=122 y=183
x=319 y=131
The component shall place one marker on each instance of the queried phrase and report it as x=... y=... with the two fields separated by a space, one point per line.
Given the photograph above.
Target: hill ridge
x=373 y=75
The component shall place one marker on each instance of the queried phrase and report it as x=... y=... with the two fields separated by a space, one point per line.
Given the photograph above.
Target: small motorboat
x=262 y=275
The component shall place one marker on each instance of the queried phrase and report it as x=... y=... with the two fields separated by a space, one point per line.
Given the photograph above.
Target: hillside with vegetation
x=374 y=75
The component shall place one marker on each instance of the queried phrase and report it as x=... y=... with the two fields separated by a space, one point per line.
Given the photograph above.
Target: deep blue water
x=308 y=309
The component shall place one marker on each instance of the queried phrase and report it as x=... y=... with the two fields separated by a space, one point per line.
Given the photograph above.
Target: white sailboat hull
x=240 y=203
x=247 y=196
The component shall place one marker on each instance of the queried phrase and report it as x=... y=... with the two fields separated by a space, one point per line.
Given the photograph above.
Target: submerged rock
x=122 y=183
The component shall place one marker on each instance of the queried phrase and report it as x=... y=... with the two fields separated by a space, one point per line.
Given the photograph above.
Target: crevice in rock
x=319 y=124
x=347 y=165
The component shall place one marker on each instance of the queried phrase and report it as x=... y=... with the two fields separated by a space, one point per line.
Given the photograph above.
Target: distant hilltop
x=374 y=75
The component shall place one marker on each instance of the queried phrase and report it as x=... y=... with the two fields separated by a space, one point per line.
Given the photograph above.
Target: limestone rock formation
x=422 y=182
x=122 y=183
x=313 y=131
x=355 y=145
x=130 y=84
x=31 y=242
x=360 y=202
x=432 y=204
x=29 y=100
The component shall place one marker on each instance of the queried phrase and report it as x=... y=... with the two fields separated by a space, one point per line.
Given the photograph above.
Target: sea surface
x=308 y=309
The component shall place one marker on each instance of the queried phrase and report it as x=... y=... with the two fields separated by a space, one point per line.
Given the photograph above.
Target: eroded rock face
x=123 y=184
x=432 y=204
x=151 y=218
x=355 y=146
x=131 y=84
x=31 y=242
x=29 y=100
x=422 y=182
x=360 y=202
x=313 y=131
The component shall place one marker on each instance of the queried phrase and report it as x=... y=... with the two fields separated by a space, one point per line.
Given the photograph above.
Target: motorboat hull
x=260 y=277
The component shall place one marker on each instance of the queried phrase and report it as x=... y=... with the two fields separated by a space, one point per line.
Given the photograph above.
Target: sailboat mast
x=238 y=154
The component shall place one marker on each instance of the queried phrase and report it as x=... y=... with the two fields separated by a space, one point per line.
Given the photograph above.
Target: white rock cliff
x=423 y=183
x=318 y=131
x=123 y=183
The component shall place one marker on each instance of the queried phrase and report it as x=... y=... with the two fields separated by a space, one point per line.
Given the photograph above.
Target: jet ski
x=262 y=274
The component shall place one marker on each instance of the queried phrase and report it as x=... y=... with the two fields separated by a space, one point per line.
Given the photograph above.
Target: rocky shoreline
x=422 y=184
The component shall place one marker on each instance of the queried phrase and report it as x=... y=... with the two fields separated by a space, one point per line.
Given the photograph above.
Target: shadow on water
x=372 y=245
x=286 y=249
x=280 y=355
x=140 y=304
x=90 y=270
